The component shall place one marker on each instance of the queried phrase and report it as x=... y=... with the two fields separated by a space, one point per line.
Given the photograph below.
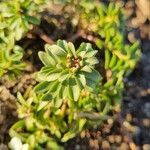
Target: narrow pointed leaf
x=41 y=87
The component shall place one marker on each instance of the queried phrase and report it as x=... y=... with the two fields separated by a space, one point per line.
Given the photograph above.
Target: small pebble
x=131 y=37
x=146 y=109
x=92 y=144
x=77 y=147
x=129 y=117
x=105 y=145
x=82 y=134
x=146 y=122
x=146 y=147
x=96 y=144
x=98 y=133
x=126 y=139
x=111 y=139
x=106 y=130
x=88 y=135
x=124 y=146
x=127 y=125
x=118 y=139
x=110 y=121
x=132 y=146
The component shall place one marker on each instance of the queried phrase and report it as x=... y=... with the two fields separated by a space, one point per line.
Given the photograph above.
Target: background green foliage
x=16 y=19
x=10 y=61
x=18 y=15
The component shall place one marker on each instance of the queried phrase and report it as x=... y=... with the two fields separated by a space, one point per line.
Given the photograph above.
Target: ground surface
x=130 y=129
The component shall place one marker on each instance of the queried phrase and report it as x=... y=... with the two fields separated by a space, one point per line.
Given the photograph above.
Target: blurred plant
x=10 y=62
x=19 y=15
x=101 y=18
x=119 y=58
x=16 y=18
x=33 y=130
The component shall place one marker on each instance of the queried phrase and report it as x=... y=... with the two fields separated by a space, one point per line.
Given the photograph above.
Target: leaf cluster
x=67 y=71
x=18 y=15
x=16 y=19
x=71 y=95
x=10 y=62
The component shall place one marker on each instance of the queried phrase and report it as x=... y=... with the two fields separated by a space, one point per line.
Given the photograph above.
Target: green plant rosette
x=67 y=71
x=11 y=61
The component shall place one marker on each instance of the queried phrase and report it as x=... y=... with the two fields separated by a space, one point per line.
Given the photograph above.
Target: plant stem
x=37 y=31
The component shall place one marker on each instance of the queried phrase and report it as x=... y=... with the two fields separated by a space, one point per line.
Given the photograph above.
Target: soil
x=130 y=129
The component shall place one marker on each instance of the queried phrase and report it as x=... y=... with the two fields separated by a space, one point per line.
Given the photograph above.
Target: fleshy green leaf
x=92 y=61
x=44 y=58
x=33 y=20
x=41 y=87
x=63 y=44
x=81 y=48
x=57 y=51
x=47 y=96
x=72 y=49
x=42 y=105
x=74 y=91
x=91 y=53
